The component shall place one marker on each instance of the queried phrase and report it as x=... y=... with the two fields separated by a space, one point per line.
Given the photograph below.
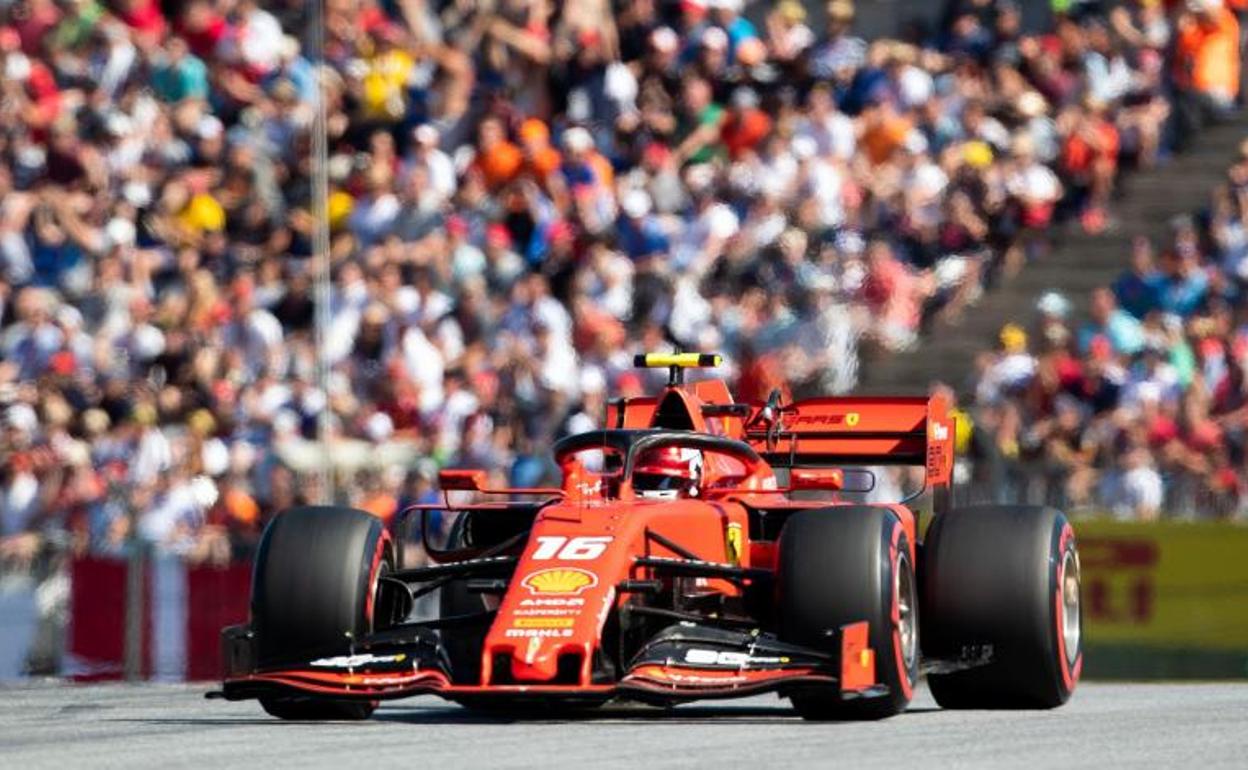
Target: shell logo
x=559 y=580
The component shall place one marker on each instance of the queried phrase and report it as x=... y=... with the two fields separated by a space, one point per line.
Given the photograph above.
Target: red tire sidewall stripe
x=379 y=553
x=903 y=672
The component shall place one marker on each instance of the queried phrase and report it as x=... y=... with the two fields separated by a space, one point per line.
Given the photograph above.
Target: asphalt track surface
x=1105 y=725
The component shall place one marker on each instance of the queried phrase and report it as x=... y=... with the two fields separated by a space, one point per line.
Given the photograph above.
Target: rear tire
x=845 y=565
x=1005 y=577
x=314 y=589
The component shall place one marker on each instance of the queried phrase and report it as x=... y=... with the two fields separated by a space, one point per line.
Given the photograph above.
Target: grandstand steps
x=1076 y=264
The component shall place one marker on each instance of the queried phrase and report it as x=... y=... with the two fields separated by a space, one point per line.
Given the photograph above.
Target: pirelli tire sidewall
x=315 y=582
x=997 y=581
x=837 y=566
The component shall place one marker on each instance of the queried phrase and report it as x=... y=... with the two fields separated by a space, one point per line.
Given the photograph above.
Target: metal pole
x=132 y=664
x=320 y=246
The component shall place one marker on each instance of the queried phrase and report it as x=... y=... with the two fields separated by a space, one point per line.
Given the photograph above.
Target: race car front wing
x=685 y=661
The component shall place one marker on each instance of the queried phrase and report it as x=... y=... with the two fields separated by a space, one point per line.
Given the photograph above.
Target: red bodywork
x=596 y=534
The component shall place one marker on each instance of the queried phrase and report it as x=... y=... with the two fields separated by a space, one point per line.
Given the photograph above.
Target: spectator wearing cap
x=541 y=158
x=504 y=264
x=640 y=234
x=1015 y=365
x=1032 y=184
x=727 y=14
x=589 y=177
x=788 y=36
x=840 y=53
x=439 y=170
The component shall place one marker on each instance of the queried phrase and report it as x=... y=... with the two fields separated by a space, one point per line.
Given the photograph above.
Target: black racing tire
x=1004 y=577
x=315 y=587
x=842 y=565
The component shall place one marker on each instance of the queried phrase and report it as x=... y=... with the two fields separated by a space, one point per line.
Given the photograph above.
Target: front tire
x=1004 y=578
x=315 y=587
x=845 y=565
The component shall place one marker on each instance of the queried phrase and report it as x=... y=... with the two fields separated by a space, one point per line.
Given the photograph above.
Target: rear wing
x=861 y=430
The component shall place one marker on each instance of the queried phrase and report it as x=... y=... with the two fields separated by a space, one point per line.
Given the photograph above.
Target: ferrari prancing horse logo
x=734 y=542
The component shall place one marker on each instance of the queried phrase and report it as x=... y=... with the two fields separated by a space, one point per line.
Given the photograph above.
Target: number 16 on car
x=582 y=548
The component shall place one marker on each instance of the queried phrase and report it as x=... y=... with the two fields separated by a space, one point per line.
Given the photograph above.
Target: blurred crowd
x=522 y=194
x=1142 y=409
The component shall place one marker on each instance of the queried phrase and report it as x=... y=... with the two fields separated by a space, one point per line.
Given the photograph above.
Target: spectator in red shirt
x=1090 y=160
x=894 y=295
x=746 y=126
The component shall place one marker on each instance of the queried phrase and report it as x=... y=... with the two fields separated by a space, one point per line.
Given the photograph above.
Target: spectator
x=1108 y=322
x=1207 y=62
x=1138 y=289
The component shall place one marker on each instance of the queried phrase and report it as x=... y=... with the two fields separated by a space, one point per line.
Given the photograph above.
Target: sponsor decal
x=726 y=658
x=734 y=542
x=559 y=580
x=663 y=673
x=543 y=623
x=849 y=420
x=586 y=489
x=552 y=602
x=351 y=661
x=546 y=612
x=545 y=633
x=940 y=431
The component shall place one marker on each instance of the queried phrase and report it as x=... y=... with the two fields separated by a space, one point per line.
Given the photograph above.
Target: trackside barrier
x=1164 y=599
x=184 y=609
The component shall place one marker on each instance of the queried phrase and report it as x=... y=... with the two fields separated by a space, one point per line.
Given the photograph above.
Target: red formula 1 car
x=671 y=565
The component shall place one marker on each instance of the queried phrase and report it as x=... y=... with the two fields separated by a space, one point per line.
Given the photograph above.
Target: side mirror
x=802 y=479
x=460 y=480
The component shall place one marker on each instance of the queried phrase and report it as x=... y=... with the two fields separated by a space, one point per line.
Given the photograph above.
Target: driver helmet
x=668 y=473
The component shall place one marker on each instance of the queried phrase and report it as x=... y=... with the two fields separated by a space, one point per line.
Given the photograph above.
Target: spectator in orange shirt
x=1206 y=65
x=498 y=159
x=541 y=158
x=746 y=126
x=884 y=131
x=1207 y=51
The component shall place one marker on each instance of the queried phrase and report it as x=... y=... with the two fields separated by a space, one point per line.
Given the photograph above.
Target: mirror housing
x=461 y=480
